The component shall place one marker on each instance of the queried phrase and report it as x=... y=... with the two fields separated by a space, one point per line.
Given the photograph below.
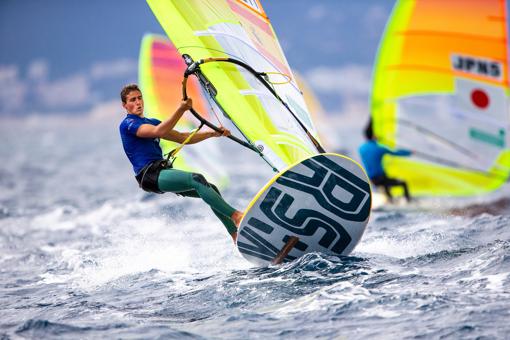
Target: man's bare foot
x=237 y=216
x=234 y=237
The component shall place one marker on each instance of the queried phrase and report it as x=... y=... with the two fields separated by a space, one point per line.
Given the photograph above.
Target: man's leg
x=387 y=190
x=226 y=220
x=393 y=182
x=406 y=191
x=381 y=181
x=195 y=185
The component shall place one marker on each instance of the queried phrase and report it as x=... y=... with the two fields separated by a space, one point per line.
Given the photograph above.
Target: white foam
x=336 y=294
x=404 y=247
x=496 y=282
x=129 y=244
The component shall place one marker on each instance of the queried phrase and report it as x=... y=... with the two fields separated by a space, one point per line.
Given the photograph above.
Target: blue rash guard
x=140 y=151
x=371 y=155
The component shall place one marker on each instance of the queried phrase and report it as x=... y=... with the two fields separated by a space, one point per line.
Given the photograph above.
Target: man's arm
x=161 y=130
x=398 y=152
x=401 y=152
x=180 y=137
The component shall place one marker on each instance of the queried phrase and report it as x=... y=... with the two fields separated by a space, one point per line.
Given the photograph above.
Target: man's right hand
x=224 y=132
x=186 y=104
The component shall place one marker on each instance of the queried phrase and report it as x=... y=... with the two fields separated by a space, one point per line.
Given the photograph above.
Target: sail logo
x=497 y=140
x=478 y=66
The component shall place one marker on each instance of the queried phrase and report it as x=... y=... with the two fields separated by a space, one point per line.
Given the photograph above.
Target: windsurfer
x=372 y=154
x=140 y=139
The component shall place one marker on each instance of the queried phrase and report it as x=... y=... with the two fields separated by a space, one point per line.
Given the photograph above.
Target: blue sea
x=85 y=254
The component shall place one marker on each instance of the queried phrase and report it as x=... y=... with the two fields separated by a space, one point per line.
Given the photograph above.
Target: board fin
x=292 y=241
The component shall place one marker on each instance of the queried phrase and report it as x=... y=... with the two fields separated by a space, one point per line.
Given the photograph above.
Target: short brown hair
x=127 y=89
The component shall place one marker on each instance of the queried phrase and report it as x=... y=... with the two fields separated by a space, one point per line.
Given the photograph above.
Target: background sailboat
x=441 y=89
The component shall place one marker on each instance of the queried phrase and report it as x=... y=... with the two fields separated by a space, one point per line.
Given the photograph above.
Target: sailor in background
x=372 y=154
x=140 y=139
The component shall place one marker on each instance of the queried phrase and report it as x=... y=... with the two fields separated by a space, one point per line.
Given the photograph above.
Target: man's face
x=134 y=103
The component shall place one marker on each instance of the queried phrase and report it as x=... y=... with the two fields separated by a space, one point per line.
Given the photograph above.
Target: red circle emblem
x=480 y=98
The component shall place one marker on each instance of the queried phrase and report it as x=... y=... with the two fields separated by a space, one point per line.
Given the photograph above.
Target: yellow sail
x=239 y=30
x=441 y=89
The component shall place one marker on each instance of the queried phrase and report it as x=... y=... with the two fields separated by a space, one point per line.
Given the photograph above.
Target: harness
x=148 y=178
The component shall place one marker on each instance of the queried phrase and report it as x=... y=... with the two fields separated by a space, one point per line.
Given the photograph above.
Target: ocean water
x=85 y=254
